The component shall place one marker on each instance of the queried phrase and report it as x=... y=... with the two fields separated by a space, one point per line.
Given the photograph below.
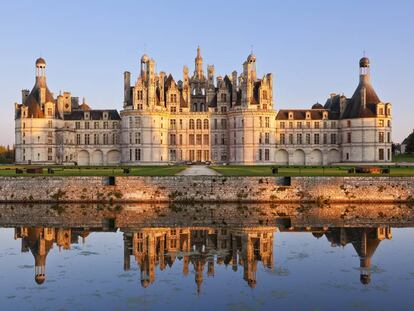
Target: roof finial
x=251 y=48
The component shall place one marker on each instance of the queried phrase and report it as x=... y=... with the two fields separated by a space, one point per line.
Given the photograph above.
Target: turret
x=127 y=88
x=198 y=72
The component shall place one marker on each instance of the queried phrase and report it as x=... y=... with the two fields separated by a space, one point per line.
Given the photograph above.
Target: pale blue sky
x=311 y=47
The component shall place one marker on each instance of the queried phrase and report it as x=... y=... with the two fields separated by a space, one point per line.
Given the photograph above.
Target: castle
x=229 y=119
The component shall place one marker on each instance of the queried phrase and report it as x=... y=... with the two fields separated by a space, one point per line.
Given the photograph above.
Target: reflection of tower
x=249 y=263
x=365 y=242
x=199 y=269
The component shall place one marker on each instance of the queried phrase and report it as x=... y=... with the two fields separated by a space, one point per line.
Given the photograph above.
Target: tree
x=410 y=144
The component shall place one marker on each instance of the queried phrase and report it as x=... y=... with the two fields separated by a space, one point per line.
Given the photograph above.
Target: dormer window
x=87 y=115
x=105 y=115
x=308 y=115
x=325 y=115
x=290 y=115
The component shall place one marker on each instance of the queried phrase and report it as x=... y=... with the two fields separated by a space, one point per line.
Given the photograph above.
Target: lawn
x=98 y=171
x=238 y=170
x=407 y=157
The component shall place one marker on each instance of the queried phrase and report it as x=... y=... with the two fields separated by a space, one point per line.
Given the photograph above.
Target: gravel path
x=198 y=170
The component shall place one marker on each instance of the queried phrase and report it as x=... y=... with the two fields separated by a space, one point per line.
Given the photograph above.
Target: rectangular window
x=381 y=137
x=267 y=121
x=137 y=154
x=381 y=154
x=96 y=125
x=87 y=125
x=267 y=138
x=291 y=139
x=291 y=125
x=299 y=139
x=299 y=125
x=267 y=154
x=260 y=154
x=333 y=139
x=316 y=125
x=325 y=139
x=105 y=125
x=181 y=139
x=308 y=125
x=282 y=125
x=191 y=139
x=198 y=139
x=78 y=139
x=137 y=137
x=206 y=140
x=348 y=137
x=223 y=124
x=308 y=139
x=172 y=124
x=282 y=139
x=388 y=137
x=172 y=139
x=316 y=139
x=87 y=139
x=206 y=155
x=77 y=125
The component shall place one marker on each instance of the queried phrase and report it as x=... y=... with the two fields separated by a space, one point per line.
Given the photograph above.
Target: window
x=181 y=124
x=282 y=125
x=260 y=137
x=114 y=139
x=114 y=125
x=198 y=139
x=348 y=137
x=96 y=125
x=49 y=112
x=87 y=141
x=267 y=122
x=173 y=109
x=267 y=154
x=215 y=139
x=223 y=124
x=282 y=139
x=191 y=139
x=388 y=154
x=348 y=123
x=198 y=124
x=191 y=124
x=316 y=125
x=264 y=94
x=267 y=138
x=381 y=137
x=105 y=125
x=215 y=124
x=388 y=137
x=205 y=124
x=173 y=98
x=316 y=139
x=260 y=154
x=173 y=155
x=325 y=139
x=105 y=139
x=291 y=139
x=77 y=125
x=223 y=97
x=333 y=139
x=49 y=124
x=172 y=139
x=137 y=154
x=223 y=109
x=308 y=139
x=172 y=124
x=139 y=95
x=206 y=155
x=78 y=139
x=137 y=137
x=381 y=123
x=308 y=125
x=299 y=139
x=291 y=125
x=381 y=154
x=96 y=139
x=299 y=125
x=381 y=111
x=206 y=139
x=223 y=139
x=333 y=125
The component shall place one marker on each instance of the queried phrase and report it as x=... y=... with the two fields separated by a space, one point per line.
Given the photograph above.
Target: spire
x=198 y=72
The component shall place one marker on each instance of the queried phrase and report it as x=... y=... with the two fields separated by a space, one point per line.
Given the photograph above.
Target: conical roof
x=33 y=100
x=355 y=107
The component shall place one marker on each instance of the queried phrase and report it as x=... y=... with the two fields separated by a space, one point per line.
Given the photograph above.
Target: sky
x=312 y=48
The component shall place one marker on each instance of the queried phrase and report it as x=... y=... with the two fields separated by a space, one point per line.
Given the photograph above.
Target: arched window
x=205 y=125
x=191 y=124
x=198 y=124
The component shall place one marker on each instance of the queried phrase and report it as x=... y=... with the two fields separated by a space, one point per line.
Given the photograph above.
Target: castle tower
x=198 y=71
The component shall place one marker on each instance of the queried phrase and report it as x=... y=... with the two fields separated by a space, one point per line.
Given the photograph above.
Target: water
x=250 y=257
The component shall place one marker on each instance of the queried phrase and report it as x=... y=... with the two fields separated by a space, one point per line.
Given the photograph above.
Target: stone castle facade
x=228 y=119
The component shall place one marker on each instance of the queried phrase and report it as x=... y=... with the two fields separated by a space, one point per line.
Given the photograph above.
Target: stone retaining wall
x=207 y=189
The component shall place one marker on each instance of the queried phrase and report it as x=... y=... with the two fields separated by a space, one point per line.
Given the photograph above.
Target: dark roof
x=355 y=108
x=299 y=114
x=213 y=102
x=317 y=106
x=40 y=61
x=84 y=107
x=94 y=115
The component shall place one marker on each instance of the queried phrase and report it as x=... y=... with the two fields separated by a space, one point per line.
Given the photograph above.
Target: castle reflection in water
x=200 y=248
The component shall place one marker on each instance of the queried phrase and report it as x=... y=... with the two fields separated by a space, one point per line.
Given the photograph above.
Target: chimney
x=25 y=94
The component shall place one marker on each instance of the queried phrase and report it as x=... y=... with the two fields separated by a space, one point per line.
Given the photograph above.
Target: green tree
x=410 y=143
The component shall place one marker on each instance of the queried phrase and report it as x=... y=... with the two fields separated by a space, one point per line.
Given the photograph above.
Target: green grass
x=238 y=170
x=408 y=157
x=98 y=171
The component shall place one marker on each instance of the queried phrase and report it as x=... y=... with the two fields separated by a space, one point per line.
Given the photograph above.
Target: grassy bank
x=97 y=171
x=238 y=170
x=407 y=157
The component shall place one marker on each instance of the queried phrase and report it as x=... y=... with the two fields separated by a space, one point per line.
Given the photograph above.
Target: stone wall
x=207 y=189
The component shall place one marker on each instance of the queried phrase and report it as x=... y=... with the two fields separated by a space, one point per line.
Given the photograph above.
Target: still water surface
x=119 y=259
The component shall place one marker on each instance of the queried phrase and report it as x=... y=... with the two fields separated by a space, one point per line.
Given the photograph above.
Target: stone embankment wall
x=207 y=189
